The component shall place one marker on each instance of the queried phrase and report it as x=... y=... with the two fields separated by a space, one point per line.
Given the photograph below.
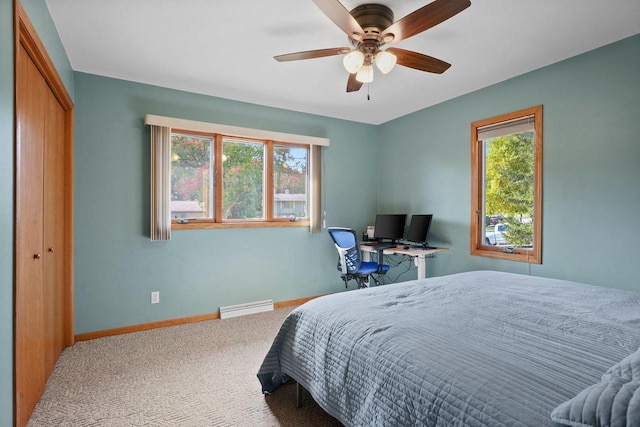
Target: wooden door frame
x=25 y=36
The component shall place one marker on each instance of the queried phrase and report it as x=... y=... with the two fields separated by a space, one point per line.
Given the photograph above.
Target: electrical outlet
x=155 y=297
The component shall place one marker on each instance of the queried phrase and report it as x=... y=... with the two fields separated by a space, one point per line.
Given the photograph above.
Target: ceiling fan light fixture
x=370 y=27
x=365 y=74
x=385 y=61
x=353 y=61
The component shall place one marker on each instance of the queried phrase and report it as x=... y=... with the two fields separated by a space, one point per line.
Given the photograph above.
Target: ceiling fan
x=370 y=27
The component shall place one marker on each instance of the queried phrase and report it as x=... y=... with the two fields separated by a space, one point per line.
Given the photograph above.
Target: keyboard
x=379 y=245
x=384 y=245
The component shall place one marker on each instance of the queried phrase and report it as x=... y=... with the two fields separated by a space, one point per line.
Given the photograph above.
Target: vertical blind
x=315 y=208
x=160 y=183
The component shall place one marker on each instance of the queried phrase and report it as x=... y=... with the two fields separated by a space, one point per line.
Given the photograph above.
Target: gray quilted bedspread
x=470 y=349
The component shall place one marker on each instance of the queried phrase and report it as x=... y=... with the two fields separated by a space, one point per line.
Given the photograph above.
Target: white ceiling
x=226 y=48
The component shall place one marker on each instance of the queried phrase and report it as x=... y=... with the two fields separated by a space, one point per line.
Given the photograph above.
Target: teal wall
x=116 y=264
x=6 y=213
x=591 y=196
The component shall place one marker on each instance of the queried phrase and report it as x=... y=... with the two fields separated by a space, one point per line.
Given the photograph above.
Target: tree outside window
x=290 y=182
x=509 y=189
x=191 y=177
x=242 y=180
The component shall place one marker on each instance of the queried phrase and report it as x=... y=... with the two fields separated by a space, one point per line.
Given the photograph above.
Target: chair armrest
x=343 y=259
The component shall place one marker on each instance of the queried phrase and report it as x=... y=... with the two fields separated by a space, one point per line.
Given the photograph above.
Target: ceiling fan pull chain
x=368 y=94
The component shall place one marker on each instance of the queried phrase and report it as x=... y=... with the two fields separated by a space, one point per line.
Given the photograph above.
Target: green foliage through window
x=191 y=174
x=509 y=185
x=243 y=180
x=290 y=181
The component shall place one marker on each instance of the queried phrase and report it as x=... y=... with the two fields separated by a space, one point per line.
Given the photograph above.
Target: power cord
x=407 y=260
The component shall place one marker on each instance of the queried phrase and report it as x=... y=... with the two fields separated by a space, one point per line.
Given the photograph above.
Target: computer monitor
x=389 y=227
x=419 y=229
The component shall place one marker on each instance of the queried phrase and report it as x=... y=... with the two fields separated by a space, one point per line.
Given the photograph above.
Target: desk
x=419 y=255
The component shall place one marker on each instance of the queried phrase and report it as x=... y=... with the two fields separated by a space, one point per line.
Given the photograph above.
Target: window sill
x=196 y=225
x=519 y=256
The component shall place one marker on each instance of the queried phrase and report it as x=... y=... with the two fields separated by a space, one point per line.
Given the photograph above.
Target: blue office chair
x=350 y=261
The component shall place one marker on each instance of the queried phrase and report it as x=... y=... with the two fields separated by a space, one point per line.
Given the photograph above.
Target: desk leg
x=419 y=261
x=366 y=256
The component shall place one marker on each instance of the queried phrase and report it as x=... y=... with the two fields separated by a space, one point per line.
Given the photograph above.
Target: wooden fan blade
x=424 y=18
x=310 y=54
x=352 y=84
x=340 y=16
x=418 y=61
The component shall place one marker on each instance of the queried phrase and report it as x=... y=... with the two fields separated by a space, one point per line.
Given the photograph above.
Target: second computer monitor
x=419 y=229
x=389 y=227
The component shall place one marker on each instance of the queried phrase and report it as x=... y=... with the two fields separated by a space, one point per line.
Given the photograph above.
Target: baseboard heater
x=247 y=308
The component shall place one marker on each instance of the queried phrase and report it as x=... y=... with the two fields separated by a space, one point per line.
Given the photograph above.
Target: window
x=208 y=175
x=506 y=200
x=191 y=177
x=290 y=182
x=243 y=180
x=255 y=181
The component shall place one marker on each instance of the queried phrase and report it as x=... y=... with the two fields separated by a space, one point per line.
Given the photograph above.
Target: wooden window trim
x=478 y=247
x=218 y=188
x=268 y=182
x=197 y=225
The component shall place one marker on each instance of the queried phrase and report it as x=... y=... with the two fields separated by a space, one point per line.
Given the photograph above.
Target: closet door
x=54 y=203
x=31 y=374
x=44 y=218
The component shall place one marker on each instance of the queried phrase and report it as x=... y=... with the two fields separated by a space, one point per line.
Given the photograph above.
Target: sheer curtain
x=160 y=183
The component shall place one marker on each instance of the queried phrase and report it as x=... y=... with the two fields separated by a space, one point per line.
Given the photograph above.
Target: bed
x=480 y=348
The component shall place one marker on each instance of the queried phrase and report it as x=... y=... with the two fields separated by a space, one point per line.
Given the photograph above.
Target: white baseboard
x=247 y=308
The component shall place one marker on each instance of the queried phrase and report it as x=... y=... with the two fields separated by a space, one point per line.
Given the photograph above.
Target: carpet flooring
x=198 y=374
